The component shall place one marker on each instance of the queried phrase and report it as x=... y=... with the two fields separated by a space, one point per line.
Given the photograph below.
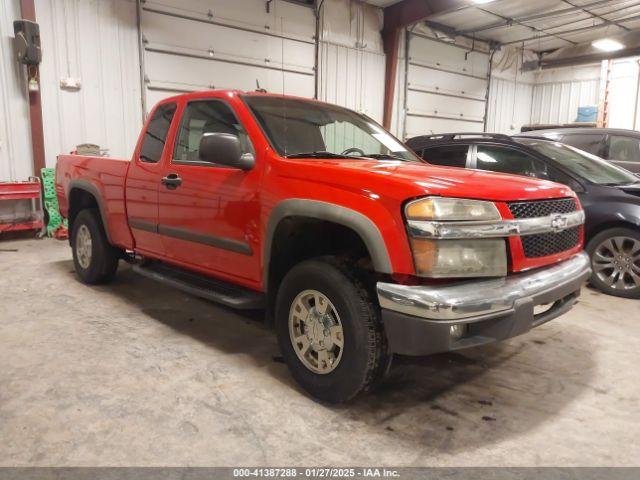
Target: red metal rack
x=21 y=206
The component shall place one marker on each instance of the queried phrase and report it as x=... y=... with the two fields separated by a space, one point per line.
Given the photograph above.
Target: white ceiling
x=544 y=24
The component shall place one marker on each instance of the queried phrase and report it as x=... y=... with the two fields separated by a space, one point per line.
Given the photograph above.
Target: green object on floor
x=51 y=206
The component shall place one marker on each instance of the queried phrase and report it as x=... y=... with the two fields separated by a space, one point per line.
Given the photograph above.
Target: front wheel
x=615 y=260
x=94 y=258
x=329 y=330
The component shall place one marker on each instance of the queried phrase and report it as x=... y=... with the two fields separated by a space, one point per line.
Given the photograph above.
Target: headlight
x=459 y=258
x=439 y=258
x=451 y=209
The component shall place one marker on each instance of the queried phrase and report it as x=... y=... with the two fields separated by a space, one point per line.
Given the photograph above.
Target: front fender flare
x=358 y=222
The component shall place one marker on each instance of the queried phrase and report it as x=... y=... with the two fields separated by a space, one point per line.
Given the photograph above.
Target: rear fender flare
x=93 y=190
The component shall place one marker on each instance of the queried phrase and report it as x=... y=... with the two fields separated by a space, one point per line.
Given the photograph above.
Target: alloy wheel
x=83 y=246
x=316 y=331
x=616 y=262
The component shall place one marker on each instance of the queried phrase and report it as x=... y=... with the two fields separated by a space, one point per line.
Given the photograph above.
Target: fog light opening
x=457 y=331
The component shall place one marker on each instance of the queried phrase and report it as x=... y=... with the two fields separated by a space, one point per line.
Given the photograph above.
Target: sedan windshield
x=583 y=164
x=299 y=128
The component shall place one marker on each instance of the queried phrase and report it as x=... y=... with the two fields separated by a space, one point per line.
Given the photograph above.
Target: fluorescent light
x=607 y=45
x=482 y=1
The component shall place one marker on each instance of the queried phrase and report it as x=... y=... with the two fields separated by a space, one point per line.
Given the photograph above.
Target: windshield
x=299 y=128
x=581 y=163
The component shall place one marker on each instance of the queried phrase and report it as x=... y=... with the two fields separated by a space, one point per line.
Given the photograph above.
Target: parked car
x=619 y=146
x=357 y=248
x=610 y=195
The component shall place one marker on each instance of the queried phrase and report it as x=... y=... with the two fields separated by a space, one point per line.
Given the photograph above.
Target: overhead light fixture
x=607 y=45
x=481 y=2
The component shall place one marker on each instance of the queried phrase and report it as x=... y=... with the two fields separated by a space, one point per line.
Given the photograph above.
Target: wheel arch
x=355 y=221
x=83 y=194
x=609 y=225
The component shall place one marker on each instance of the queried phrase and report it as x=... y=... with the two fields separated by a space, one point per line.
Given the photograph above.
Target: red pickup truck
x=356 y=248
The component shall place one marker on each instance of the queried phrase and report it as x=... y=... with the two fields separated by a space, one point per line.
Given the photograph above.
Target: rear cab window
x=155 y=136
x=447 y=156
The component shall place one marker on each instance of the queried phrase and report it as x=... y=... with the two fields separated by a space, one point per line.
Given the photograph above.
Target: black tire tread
x=104 y=258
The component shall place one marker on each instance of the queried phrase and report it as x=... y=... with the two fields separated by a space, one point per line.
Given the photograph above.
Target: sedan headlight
x=444 y=258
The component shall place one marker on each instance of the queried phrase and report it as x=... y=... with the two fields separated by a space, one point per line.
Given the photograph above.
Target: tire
x=96 y=262
x=615 y=260
x=361 y=361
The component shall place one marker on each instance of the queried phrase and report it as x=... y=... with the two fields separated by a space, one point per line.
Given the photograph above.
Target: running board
x=202 y=286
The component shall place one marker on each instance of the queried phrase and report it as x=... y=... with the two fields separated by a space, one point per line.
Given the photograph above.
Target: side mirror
x=224 y=149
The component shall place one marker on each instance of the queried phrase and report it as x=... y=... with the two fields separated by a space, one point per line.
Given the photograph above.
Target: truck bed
x=106 y=178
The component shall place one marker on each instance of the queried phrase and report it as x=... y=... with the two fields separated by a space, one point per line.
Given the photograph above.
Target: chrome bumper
x=479 y=300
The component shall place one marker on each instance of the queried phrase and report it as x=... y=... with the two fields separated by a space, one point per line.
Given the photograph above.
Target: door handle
x=171 y=181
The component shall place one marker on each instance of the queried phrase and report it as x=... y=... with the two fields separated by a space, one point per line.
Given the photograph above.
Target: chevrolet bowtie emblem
x=558 y=222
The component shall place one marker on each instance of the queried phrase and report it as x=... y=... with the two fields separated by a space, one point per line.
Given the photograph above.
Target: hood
x=403 y=180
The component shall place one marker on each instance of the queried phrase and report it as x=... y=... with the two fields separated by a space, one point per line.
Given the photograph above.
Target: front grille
x=542 y=208
x=544 y=244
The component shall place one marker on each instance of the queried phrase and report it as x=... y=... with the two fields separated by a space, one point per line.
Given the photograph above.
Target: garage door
x=445 y=92
x=192 y=45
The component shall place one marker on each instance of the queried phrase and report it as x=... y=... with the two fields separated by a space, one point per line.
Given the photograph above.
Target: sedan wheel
x=616 y=264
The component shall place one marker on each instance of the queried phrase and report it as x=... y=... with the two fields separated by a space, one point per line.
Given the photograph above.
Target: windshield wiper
x=320 y=154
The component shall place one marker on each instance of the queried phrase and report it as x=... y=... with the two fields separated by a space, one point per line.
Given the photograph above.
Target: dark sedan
x=609 y=195
x=617 y=145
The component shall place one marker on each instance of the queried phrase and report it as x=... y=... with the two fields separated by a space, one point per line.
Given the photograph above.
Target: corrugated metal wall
x=15 y=140
x=351 y=61
x=623 y=94
x=558 y=93
x=96 y=42
x=510 y=94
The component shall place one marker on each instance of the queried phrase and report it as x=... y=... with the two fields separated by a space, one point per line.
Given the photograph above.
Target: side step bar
x=202 y=286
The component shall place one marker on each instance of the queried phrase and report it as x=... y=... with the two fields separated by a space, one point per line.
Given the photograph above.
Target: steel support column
x=397 y=17
x=28 y=11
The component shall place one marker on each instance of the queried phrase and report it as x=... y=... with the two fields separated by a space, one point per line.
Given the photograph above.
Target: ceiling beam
x=397 y=17
x=595 y=15
x=529 y=18
x=585 y=53
x=571 y=31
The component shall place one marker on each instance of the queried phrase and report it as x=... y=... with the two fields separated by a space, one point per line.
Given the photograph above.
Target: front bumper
x=418 y=319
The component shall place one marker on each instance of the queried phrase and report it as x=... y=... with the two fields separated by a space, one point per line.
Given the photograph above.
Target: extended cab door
x=143 y=180
x=209 y=213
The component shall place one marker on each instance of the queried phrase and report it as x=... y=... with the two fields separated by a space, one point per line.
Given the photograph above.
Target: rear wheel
x=329 y=330
x=615 y=260
x=94 y=258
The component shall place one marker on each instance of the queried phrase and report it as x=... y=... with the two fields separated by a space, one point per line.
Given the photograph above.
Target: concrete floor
x=135 y=373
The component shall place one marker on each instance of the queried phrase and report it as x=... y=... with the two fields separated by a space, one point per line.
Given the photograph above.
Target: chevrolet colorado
x=356 y=248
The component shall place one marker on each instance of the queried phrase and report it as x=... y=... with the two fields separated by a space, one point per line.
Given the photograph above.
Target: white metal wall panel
x=96 y=42
x=220 y=46
x=446 y=87
x=352 y=78
x=558 y=93
x=509 y=105
x=16 y=160
x=623 y=94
